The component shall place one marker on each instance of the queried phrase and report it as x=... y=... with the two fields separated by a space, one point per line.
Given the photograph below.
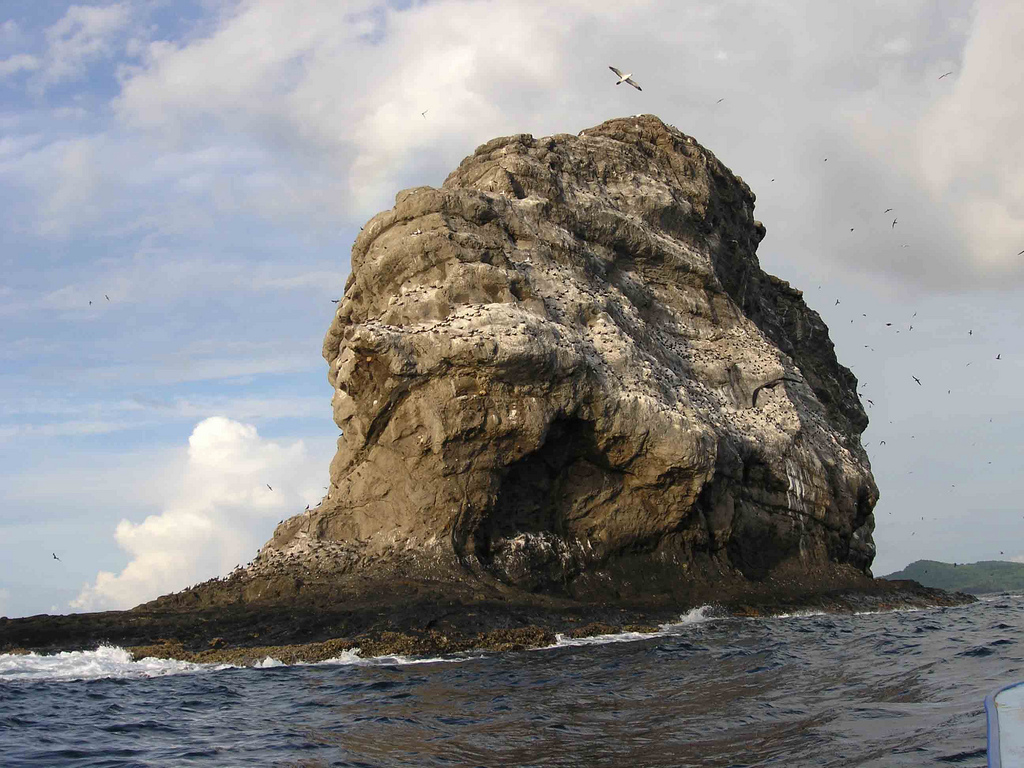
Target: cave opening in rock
x=542 y=493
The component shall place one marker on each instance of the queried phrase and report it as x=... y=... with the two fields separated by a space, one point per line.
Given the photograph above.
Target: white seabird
x=625 y=78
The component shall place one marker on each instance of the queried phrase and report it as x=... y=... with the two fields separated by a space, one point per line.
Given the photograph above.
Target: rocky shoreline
x=417 y=619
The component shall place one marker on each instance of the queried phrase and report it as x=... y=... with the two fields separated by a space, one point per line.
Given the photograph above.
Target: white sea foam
x=107 y=661
x=351 y=657
x=794 y=615
x=692 y=617
x=269 y=662
x=114 y=662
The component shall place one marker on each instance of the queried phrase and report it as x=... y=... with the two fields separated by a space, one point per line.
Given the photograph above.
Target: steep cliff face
x=566 y=361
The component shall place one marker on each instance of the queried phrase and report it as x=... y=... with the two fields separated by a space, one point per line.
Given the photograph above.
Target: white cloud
x=340 y=94
x=222 y=513
x=304 y=112
x=336 y=98
x=20 y=62
x=84 y=34
x=971 y=148
x=10 y=33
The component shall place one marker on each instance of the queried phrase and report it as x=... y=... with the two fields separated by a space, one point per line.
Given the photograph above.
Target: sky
x=181 y=183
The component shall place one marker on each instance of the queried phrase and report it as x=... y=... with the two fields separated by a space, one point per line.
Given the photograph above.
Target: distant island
x=972 y=578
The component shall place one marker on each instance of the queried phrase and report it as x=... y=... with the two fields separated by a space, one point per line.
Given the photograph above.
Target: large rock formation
x=565 y=371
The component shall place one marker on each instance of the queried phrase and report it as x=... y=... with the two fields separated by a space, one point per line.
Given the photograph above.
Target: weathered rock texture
x=565 y=371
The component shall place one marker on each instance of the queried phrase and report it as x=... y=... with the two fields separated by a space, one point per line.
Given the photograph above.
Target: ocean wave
x=107 y=661
x=692 y=617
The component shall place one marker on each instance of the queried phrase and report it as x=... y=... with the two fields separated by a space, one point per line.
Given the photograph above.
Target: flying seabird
x=837 y=302
x=769 y=385
x=916 y=379
x=625 y=78
x=887 y=210
x=55 y=556
x=106 y=297
x=1021 y=253
x=268 y=486
x=720 y=101
x=999 y=356
x=945 y=75
x=894 y=224
x=423 y=114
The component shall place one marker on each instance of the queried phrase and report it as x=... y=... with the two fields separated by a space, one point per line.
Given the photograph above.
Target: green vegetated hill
x=973 y=578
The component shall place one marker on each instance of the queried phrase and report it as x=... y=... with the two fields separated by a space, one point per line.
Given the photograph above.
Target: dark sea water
x=892 y=689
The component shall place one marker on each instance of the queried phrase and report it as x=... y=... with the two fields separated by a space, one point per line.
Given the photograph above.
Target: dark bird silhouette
x=719 y=101
x=881 y=442
x=887 y=210
x=106 y=297
x=55 y=556
x=837 y=302
x=970 y=332
x=999 y=356
x=769 y=385
x=870 y=401
x=1019 y=253
x=423 y=114
x=894 y=224
x=335 y=301
x=268 y=486
x=945 y=75
x=916 y=379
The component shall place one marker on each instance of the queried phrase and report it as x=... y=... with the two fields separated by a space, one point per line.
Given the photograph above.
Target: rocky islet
x=568 y=394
